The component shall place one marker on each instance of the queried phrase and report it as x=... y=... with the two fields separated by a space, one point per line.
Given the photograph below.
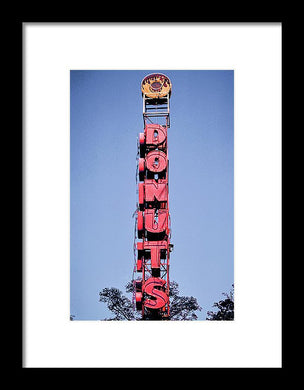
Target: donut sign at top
x=156 y=85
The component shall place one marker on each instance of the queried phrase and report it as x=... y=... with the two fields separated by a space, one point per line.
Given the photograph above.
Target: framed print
x=83 y=111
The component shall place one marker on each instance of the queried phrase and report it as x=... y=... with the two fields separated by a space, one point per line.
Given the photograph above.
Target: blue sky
x=105 y=120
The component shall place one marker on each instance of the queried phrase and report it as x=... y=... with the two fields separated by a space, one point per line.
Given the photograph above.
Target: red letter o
x=156 y=161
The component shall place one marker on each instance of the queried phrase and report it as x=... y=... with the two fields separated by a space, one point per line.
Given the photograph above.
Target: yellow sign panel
x=156 y=85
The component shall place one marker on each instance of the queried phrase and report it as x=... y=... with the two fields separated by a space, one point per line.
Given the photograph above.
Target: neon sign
x=151 y=289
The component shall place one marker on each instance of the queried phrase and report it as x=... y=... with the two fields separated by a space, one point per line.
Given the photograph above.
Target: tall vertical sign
x=152 y=243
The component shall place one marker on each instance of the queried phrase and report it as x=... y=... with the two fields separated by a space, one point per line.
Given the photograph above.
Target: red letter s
x=161 y=298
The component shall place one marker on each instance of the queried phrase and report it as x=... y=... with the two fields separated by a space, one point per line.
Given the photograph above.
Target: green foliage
x=225 y=308
x=181 y=307
x=118 y=304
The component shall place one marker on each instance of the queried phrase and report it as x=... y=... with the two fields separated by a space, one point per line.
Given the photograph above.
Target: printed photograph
x=152 y=195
